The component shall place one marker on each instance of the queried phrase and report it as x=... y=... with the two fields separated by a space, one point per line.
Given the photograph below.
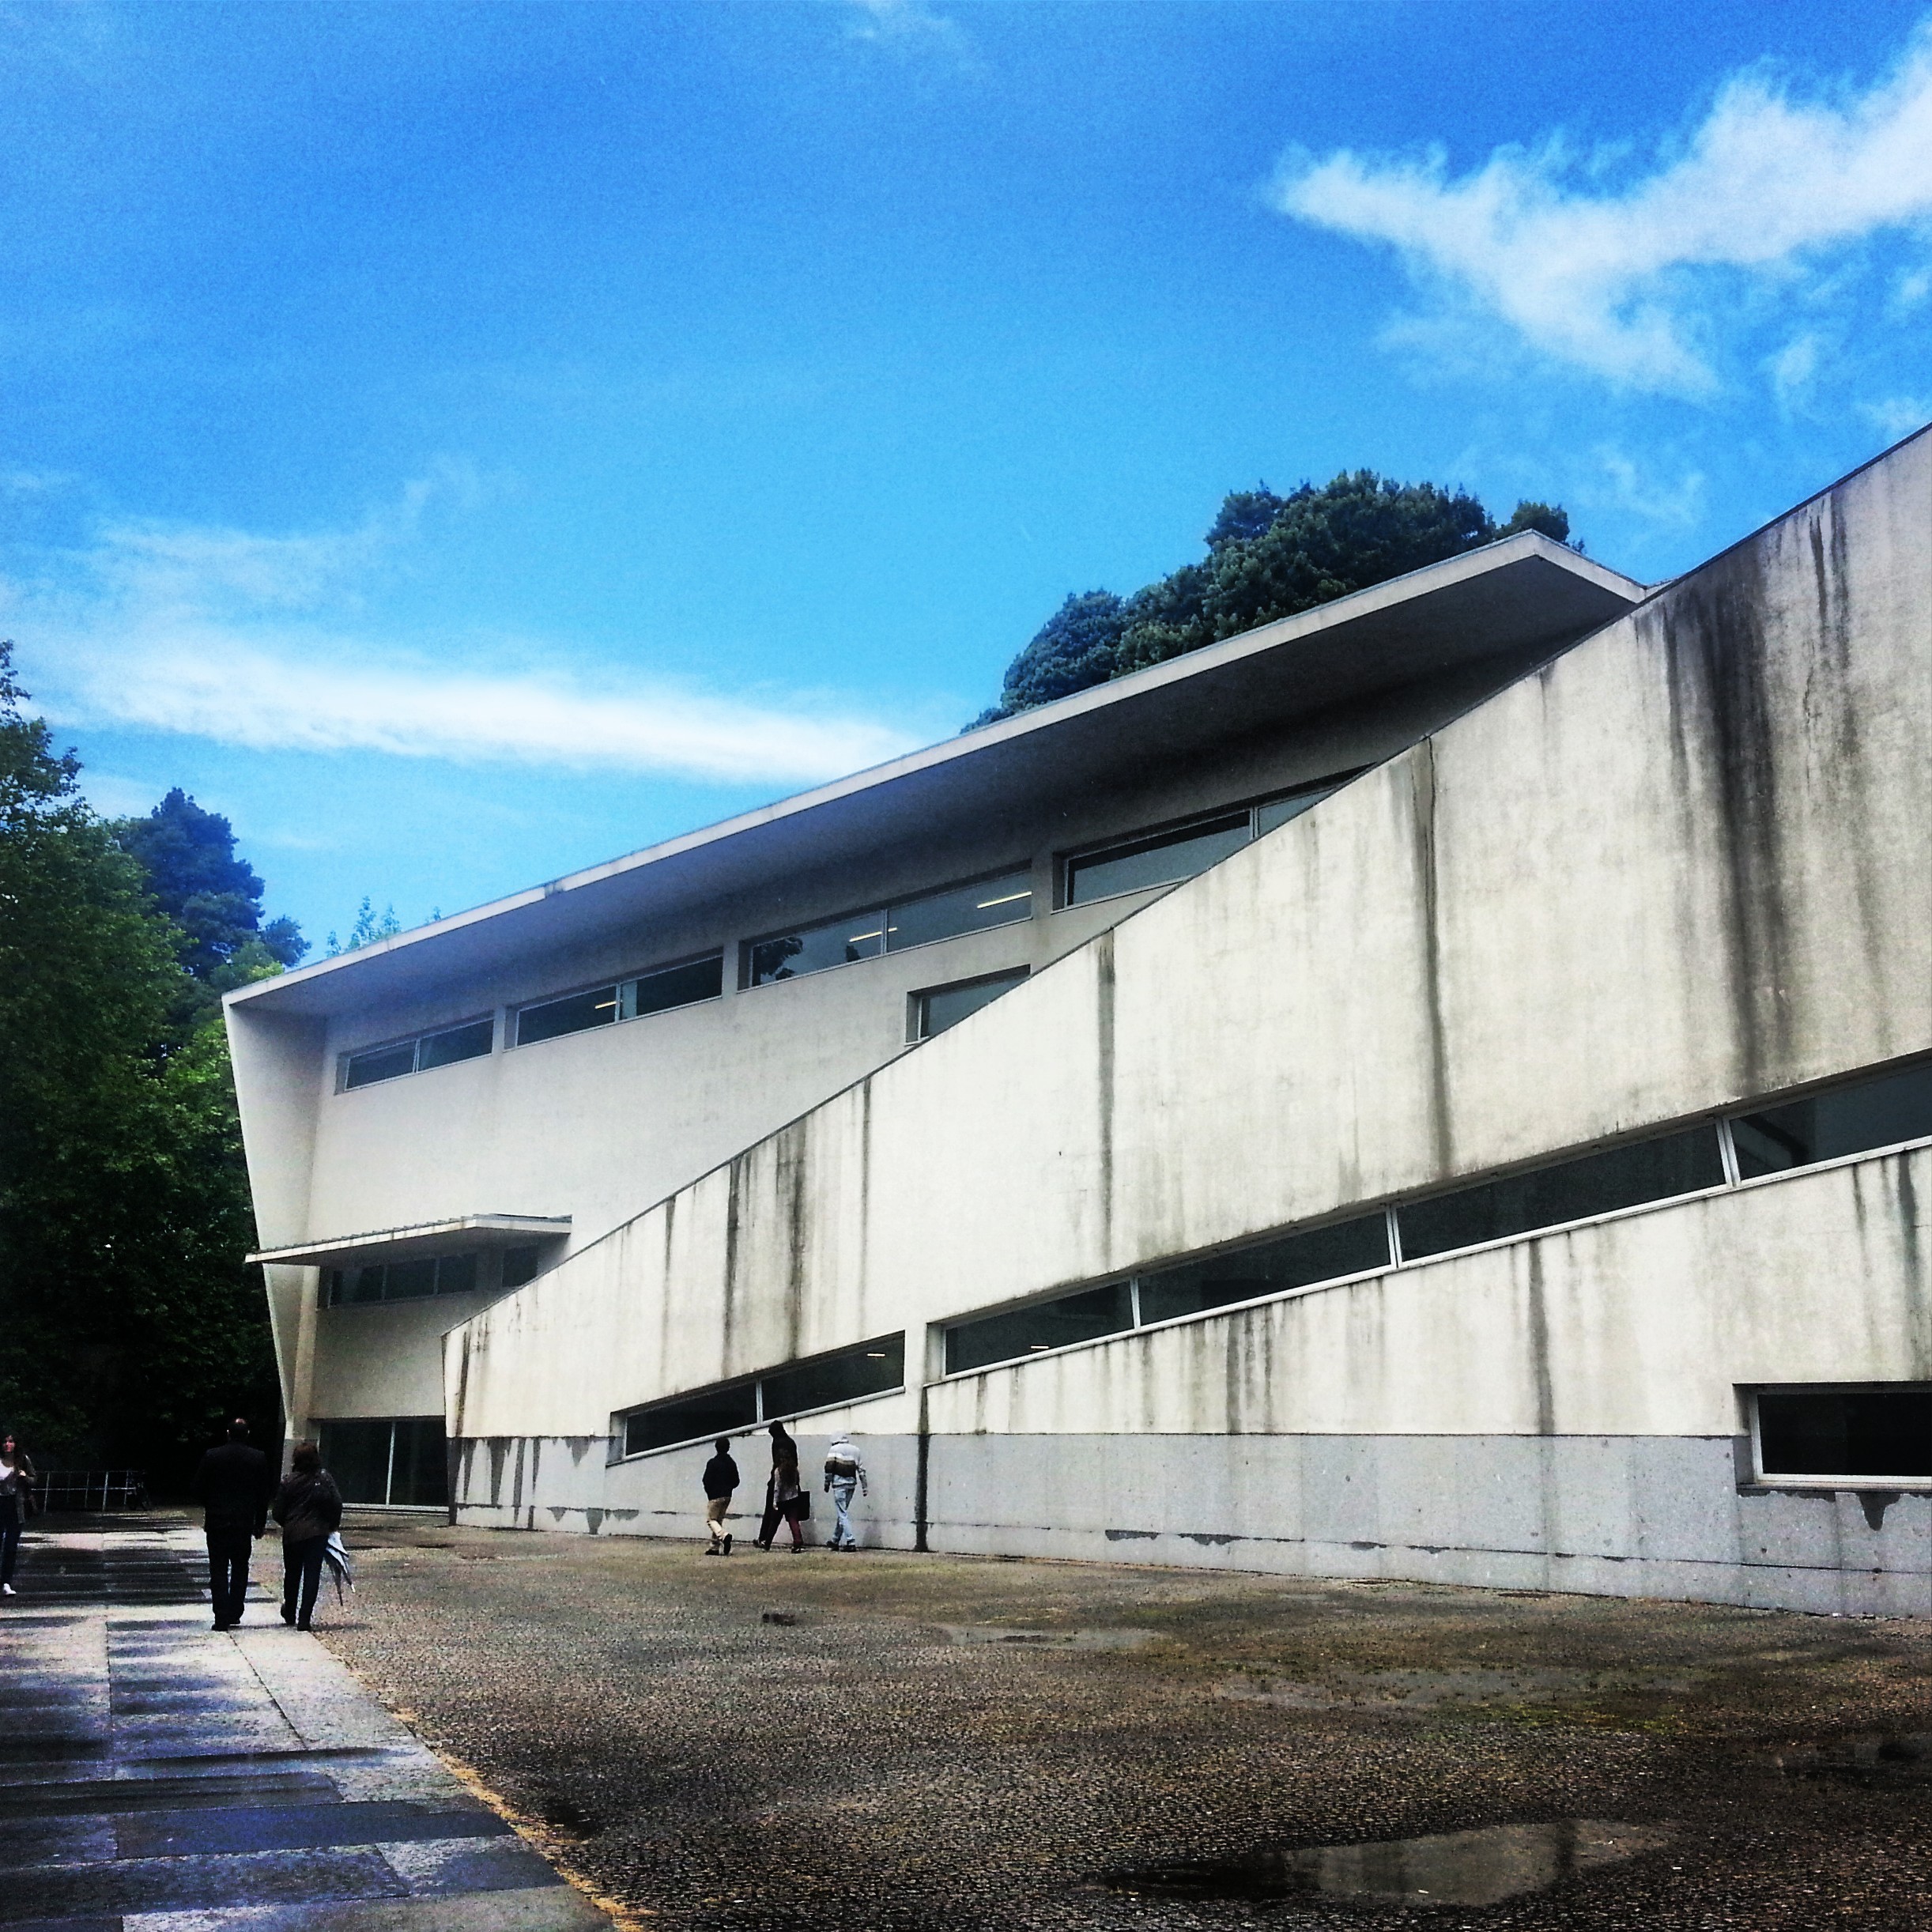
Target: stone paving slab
x=156 y=1776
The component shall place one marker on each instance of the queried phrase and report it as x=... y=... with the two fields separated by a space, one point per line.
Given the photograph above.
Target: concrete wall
x=1688 y=864
x=1558 y=1412
x=597 y=1124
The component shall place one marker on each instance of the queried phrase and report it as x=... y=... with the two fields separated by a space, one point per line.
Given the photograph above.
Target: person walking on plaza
x=785 y=1498
x=309 y=1507
x=17 y=1481
x=720 y=1479
x=844 y=1472
x=234 y=1484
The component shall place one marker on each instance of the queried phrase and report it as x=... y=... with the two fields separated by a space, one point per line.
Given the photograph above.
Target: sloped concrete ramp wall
x=1688 y=864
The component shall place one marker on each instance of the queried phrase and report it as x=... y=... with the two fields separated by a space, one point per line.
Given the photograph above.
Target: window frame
x=1759 y=1479
x=325 y=1299
x=917 y=1035
x=884 y=906
x=414 y=1042
x=872 y=1345
x=1163 y=830
x=513 y=1013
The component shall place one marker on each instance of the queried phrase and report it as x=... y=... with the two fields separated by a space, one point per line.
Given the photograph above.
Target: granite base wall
x=1628 y=1516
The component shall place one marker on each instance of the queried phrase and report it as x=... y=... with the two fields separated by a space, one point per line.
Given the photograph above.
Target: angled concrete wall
x=1687 y=863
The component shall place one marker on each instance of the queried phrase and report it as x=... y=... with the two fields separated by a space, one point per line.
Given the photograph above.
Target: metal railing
x=92 y=1489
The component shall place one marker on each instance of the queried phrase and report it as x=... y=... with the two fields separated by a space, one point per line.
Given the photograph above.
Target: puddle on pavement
x=1451 y=1868
x=1427 y=1690
x=1122 y=1639
x=1874 y=1757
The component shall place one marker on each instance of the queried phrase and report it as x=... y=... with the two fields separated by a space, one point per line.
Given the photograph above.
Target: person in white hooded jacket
x=844 y=1472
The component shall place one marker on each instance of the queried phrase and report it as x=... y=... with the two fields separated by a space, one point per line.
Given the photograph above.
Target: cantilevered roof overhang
x=419 y=1239
x=1511 y=599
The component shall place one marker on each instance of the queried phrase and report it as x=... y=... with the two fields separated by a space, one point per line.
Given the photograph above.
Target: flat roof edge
x=308 y=1253
x=1357 y=605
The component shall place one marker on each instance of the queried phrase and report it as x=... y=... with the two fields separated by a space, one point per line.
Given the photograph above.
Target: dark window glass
x=845 y=1378
x=1622 y=1177
x=676 y=986
x=420 y=1472
x=812 y=949
x=1834 y=1432
x=362 y=1284
x=1085 y=1317
x=719 y=1413
x=456 y=1274
x=1159 y=860
x=356 y=1454
x=332 y=1287
x=574 y=1014
x=1323 y=1255
x=363 y=1069
x=519 y=1266
x=1274 y=812
x=1875 y=1113
x=408 y=1280
x=960 y=909
x=456 y=1042
x=946 y=1006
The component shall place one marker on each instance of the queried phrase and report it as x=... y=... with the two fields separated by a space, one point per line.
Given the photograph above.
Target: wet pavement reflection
x=1480 y=1867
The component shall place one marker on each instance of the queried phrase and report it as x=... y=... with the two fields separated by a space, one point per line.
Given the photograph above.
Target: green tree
x=368 y=928
x=128 y=1321
x=201 y=884
x=1269 y=556
x=1074 y=648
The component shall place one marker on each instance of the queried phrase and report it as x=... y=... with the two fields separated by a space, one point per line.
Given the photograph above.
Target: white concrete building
x=1503 y=1156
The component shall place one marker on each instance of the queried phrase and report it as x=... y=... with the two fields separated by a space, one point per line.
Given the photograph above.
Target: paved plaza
x=158 y=1776
x=887 y=1743
x=850 y=1743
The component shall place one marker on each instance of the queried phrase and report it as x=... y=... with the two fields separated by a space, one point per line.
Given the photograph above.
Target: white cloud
x=1794 y=367
x=906 y=24
x=118 y=798
x=1629 y=489
x=211 y=633
x=1894 y=416
x=1614 y=282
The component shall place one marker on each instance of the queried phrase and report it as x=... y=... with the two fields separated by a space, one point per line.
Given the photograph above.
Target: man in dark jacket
x=720 y=1479
x=235 y=1485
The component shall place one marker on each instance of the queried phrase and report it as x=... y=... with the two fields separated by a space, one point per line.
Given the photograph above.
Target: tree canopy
x=128 y=1322
x=213 y=896
x=1269 y=556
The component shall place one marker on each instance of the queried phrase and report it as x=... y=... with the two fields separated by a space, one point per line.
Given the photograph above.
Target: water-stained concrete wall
x=1686 y=864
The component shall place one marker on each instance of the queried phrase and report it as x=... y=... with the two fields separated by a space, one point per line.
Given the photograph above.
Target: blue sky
x=465 y=442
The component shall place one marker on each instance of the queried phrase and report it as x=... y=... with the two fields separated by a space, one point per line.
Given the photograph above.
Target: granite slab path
x=157 y=1776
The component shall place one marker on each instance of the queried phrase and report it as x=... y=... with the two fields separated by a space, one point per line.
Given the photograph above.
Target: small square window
x=942 y=1006
x=1849 y=1436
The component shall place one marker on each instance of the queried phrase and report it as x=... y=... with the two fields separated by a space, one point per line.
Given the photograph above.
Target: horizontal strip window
x=1342 y=1248
x=1856 y=1117
x=1166 y=857
x=979 y=904
x=872 y=1368
x=389 y=1459
x=1854 y=1436
x=1829 y=1126
x=470 y=1041
x=939 y=1007
x=403 y=1281
x=1567 y=1191
x=671 y=987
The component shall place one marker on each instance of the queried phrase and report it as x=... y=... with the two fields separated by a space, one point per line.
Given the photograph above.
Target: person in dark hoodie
x=720 y=1479
x=309 y=1507
x=235 y=1484
x=785 y=1499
